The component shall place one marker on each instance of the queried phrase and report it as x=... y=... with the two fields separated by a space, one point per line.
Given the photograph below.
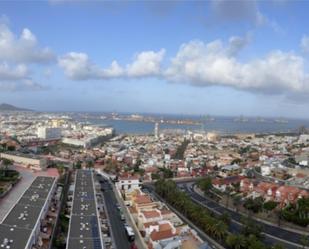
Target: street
x=272 y=234
x=117 y=226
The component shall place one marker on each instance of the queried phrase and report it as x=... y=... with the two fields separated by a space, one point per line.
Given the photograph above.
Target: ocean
x=221 y=125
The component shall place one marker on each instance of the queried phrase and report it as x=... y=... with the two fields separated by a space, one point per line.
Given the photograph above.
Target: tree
x=236 y=161
x=181 y=150
x=60 y=168
x=251 y=228
x=11 y=148
x=244 y=150
x=205 y=184
x=138 y=162
x=254 y=205
x=89 y=164
x=155 y=176
x=5 y=165
x=277 y=246
x=226 y=218
x=209 y=223
x=254 y=243
x=304 y=241
x=78 y=165
x=297 y=213
x=167 y=173
x=270 y=205
x=228 y=191
x=236 y=241
x=236 y=201
x=219 y=230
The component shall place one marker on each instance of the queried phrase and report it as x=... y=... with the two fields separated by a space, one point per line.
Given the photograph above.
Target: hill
x=8 y=107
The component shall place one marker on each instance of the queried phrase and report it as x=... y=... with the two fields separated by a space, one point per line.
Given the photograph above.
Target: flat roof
x=84 y=229
x=87 y=227
x=19 y=224
x=23 y=216
x=94 y=243
x=36 y=192
x=19 y=154
x=13 y=237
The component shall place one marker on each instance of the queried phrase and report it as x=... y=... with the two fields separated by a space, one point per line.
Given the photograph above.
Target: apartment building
x=21 y=227
x=26 y=160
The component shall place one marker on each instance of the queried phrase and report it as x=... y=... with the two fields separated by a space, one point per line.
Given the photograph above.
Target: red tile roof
x=161 y=235
x=151 y=214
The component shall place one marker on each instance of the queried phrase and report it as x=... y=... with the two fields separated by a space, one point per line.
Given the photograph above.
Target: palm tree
x=90 y=164
x=219 y=229
x=225 y=217
x=228 y=192
x=236 y=241
x=278 y=246
x=236 y=201
x=5 y=165
x=304 y=241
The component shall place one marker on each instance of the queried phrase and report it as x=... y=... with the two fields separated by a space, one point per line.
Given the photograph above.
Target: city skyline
x=216 y=57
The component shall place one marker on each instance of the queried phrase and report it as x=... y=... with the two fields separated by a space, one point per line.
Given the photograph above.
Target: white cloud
x=22 y=49
x=115 y=70
x=304 y=44
x=203 y=64
x=9 y=73
x=78 y=66
x=146 y=63
x=17 y=53
x=23 y=85
x=17 y=78
x=236 y=44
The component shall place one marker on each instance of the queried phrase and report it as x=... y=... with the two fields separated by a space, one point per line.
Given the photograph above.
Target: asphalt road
x=117 y=225
x=273 y=234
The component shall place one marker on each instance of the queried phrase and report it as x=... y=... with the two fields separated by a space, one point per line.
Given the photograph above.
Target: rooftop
x=84 y=231
x=19 y=224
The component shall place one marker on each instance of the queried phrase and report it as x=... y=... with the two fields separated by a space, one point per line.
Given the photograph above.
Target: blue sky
x=216 y=57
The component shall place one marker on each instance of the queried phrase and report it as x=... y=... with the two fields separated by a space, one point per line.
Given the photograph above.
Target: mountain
x=7 y=107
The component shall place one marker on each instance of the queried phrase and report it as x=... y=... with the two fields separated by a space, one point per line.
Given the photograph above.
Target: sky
x=212 y=57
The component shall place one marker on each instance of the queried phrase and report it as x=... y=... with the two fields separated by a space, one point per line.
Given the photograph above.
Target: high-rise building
x=156 y=130
x=49 y=133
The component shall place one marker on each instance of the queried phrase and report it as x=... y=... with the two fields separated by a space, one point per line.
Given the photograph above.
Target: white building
x=156 y=130
x=26 y=160
x=230 y=170
x=265 y=170
x=211 y=136
x=128 y=183
x=49 y=132
x=304 y=138
x=88 y=136
x=77 y=142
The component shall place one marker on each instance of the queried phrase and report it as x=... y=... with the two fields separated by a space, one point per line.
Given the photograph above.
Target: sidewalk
x=139 y=241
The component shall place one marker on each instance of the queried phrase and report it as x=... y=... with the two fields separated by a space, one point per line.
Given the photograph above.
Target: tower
x=156 y=130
